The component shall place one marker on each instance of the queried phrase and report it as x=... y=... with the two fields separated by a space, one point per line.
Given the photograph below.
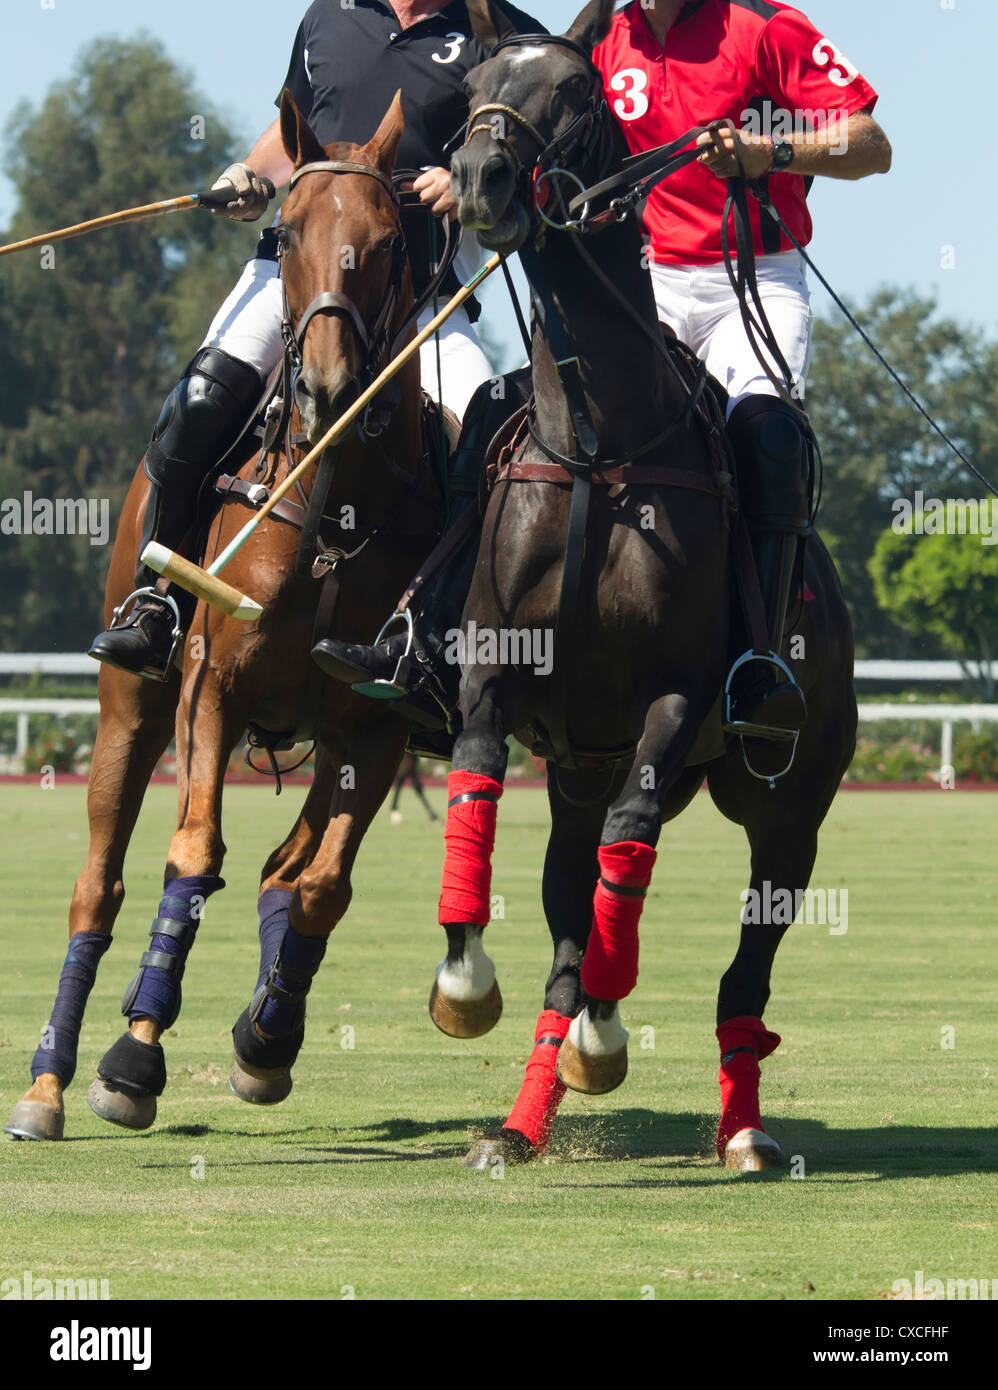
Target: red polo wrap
x=541 y=1092
x=610 y=964
x=739 y=1076
x=470 y=836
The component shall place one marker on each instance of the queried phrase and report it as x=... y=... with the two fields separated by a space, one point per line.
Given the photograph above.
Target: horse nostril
x=494 y=168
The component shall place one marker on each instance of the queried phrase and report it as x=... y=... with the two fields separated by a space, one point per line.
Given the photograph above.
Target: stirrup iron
x=743 y=729
x=390 y=689
x=120 y=614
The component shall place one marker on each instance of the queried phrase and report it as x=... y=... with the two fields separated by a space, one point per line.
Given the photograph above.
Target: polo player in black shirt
x=347 y=63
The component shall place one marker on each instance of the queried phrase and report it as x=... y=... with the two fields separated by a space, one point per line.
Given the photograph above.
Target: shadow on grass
x=647 y=1138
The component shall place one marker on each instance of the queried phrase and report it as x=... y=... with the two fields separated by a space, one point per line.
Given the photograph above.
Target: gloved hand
x=254 y=194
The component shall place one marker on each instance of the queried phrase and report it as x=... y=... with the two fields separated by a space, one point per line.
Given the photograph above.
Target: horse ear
x=301 y=144
x=384 y=143
x=593 y=24
x=489 y=24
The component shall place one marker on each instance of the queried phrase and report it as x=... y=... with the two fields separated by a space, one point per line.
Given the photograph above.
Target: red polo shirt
x=723 y=58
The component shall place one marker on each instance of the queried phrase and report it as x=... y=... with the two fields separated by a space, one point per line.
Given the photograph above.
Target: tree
x=944 y=585
x=93 y=334
x=876 y=447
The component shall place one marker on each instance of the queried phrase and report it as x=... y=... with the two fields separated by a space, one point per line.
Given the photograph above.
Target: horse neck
x=630 y=394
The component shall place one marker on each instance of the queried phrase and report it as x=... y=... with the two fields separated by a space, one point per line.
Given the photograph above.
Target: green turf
x=355 y=1184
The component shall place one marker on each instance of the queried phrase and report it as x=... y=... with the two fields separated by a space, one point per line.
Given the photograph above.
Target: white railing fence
x=25 y=708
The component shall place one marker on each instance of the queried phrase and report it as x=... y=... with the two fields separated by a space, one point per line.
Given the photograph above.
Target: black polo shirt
x=350 y=60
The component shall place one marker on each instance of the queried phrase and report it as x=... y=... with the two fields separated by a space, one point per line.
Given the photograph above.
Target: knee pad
x=203 y=415
x=774 y=465
x=488 y=410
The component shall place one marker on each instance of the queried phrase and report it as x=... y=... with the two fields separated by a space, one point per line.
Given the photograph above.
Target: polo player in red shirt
x=803 y=110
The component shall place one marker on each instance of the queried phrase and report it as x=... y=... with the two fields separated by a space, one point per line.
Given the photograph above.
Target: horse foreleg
x=593 y=1057
x=132 y=1073
x=782 y=859
x=465 y=1001
x=570 y=874
x=136 y=724
x=269 y=1034
x=277 y=884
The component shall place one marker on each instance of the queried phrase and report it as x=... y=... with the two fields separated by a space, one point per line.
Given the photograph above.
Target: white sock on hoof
x=598 y=1037
x=472 y=976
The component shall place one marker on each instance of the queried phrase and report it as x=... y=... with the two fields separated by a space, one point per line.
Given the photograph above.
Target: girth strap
x=628 y=475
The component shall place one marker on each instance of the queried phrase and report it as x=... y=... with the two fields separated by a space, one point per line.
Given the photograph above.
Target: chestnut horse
x=237 y=675
x=630 y=723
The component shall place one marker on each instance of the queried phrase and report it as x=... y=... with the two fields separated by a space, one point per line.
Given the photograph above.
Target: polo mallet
x=204 y=583
x=212 y=198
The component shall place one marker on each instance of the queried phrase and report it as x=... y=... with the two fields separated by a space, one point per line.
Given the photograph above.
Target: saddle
x=505 y=464
x=325 y=541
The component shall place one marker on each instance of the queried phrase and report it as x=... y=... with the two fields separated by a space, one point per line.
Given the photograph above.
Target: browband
x=343 y=166
x=520 y=40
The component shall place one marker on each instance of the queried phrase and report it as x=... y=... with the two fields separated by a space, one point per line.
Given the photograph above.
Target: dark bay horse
x=628 y=718
x=236 y=675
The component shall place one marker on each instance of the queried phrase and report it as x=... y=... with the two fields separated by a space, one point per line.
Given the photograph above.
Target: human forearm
x=851 y=147
x=268 y=158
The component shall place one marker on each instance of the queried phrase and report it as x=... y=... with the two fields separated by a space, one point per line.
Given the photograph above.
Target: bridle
x=584 y=135
x=375 y=339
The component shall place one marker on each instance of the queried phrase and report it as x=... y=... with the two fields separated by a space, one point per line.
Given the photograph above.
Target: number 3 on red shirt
x=632 y=82
x=841 y=75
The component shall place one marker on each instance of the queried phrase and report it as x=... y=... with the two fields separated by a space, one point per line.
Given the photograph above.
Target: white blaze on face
x=527 y=53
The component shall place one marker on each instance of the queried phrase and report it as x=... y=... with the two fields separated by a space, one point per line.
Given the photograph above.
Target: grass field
x=355 y=1183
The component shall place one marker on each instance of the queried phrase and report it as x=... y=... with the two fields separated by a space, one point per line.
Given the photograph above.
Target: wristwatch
x=783 y=156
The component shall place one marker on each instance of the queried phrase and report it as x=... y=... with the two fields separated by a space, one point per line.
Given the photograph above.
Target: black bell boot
x=772 y=460
x=201 y=420
x=413 y=662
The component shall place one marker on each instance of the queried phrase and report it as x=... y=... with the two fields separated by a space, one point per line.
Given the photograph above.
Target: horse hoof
x=466 y=1018
x=752 y=1151
x=122 y=1106
x=31 y=1119
x=593 y=1076
x=258 y=1086
x=504 y=1147
x=593 y=1057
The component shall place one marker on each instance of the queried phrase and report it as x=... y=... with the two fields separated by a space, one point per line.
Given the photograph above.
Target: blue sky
x=933 y=62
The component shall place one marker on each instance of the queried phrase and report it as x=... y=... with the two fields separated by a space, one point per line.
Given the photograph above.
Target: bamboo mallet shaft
x=113 y=219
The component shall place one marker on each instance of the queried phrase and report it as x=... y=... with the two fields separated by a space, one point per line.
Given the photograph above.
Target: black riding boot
x=442 y=604
x=201 y=420
x=772 y=461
